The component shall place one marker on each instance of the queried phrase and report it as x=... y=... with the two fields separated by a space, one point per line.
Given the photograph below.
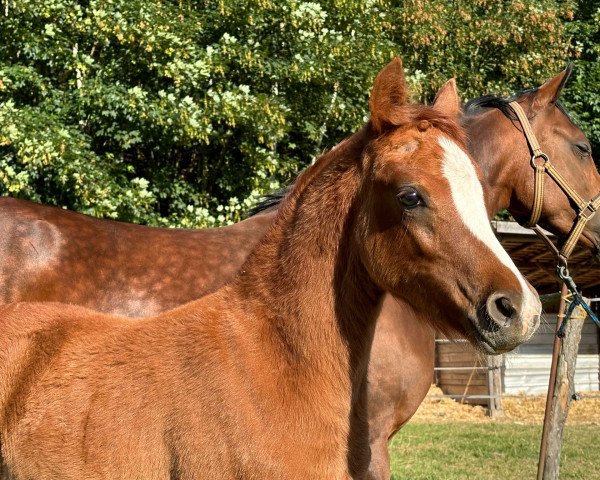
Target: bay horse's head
x=426 y=233
x=564 y=145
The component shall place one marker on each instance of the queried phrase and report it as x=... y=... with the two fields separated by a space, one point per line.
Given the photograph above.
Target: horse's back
x=47 y=253
x=30 y=246
x=51 y=254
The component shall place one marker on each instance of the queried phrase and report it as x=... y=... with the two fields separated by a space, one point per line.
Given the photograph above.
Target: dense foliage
x=182 y=112
x=583 y=92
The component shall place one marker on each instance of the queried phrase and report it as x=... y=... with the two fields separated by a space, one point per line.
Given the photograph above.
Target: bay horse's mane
x=410 y=114
x=501 y=103
x=474 y=105
x=269 y=200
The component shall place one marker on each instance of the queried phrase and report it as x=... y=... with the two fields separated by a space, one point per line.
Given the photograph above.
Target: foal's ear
x=549 y=92
x=388 y=95
x=447 y=100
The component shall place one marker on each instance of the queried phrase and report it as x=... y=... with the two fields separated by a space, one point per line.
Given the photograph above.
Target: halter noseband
x=540 y=162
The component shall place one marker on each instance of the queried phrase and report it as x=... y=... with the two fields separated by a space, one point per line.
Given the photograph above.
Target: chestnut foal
x=266 y=377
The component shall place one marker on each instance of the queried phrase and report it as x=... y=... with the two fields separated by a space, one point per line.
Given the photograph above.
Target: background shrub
x=182 y=113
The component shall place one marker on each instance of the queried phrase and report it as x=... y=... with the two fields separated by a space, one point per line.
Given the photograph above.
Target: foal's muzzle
x=506 y=320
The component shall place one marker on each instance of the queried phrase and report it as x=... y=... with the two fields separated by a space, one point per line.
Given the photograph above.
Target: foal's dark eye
x=409 y=198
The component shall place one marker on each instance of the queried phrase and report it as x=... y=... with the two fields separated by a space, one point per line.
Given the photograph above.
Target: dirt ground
x=523 y=410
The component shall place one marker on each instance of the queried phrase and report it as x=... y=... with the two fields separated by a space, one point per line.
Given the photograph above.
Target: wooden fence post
x=563 y=390
x=494 y=381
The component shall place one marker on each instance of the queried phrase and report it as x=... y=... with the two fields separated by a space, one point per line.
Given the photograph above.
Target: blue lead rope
x=563 y=274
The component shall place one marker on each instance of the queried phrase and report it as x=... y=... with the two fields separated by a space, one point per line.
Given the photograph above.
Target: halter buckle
x=543 y=156
x=588 y=211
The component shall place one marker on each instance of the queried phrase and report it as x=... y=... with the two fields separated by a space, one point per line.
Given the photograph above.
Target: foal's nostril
x=507 y=318
x=501 y=312
x=505 y=307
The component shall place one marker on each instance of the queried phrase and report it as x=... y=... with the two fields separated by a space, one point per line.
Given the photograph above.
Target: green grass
x=488 y=451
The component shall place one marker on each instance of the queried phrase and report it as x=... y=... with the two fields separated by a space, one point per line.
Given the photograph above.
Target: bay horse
x=50 y=254
x=266 y=376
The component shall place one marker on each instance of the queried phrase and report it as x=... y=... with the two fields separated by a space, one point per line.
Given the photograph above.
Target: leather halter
x=541 y=164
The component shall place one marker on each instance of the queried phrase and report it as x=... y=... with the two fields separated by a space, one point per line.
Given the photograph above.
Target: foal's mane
x=276 y=198
x=408 y=115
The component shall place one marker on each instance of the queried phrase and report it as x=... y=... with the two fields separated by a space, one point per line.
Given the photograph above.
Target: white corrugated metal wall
x=527 y=369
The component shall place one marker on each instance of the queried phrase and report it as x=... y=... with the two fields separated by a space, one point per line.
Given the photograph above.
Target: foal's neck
x=306 y=277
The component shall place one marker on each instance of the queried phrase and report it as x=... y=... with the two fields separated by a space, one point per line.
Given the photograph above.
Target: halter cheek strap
x=541 y=164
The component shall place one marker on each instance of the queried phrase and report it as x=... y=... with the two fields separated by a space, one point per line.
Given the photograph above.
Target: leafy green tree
x=582 y=95
x=489 y=46
x=174 y=112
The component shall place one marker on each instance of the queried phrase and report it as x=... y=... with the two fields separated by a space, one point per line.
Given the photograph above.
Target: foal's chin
x=496 y=342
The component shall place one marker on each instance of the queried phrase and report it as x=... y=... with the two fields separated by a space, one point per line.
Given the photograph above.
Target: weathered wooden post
x=494 y=381
x=563 y=392
x=560 y=391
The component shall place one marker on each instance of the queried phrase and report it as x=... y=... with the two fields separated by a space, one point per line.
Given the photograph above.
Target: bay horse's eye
x=409 y=198
x=583 y=149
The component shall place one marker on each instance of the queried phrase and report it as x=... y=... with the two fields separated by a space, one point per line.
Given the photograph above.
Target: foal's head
x=424 y=230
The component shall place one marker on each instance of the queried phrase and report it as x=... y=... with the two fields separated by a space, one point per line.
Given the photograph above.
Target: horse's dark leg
x=379 y=468
x=400 y=374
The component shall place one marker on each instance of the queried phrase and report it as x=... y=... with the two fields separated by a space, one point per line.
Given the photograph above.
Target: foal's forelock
x=467 y=196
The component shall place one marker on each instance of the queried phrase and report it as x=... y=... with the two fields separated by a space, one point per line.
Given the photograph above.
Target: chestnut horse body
x=267 y=376
x=50 y=254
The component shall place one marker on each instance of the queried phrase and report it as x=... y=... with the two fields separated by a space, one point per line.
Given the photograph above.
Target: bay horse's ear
x=549 y=92
x=447 y=100
x=388 y=95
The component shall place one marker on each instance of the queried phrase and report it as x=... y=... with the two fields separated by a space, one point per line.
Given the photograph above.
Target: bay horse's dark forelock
x=502 y=103
x=475 y=105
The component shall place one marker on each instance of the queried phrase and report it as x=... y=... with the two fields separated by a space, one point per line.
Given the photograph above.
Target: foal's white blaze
x=467 y=195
